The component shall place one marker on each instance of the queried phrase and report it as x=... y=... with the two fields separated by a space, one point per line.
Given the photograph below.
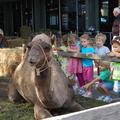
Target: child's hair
x=65 y=37
x=85 y=36
x=104 y=63
x=116 y=40
x=101 y=35
x=71 y=36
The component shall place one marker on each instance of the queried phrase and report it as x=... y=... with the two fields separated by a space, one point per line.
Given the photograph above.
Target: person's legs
x=116 y=87
x=88 y=77
x=104 y=88
x=80 y=79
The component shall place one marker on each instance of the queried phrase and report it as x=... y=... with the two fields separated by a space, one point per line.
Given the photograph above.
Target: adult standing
x=3 y=41
x=116 y=23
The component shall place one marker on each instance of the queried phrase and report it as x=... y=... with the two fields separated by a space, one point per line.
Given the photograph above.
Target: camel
x=39 y=79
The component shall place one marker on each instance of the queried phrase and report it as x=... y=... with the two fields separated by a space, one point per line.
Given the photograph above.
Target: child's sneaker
x=101 y=98
x=107 y=99
x=82 y=91
x=87 y=94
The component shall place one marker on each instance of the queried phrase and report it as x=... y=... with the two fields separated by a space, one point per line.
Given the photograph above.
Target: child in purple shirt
x=100 y=49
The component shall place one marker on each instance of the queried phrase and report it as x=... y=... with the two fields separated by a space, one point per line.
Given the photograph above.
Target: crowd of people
x=81 y=71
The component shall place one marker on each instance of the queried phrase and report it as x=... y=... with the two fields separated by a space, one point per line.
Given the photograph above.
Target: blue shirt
x=87 y=50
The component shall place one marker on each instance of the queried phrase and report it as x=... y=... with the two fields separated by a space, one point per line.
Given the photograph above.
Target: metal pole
x=59 y=16
x=21 y=14
x=33 y=16
x=77 y=27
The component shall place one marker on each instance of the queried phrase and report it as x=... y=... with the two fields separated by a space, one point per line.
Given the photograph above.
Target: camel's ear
x=24 y=47
x=24 y=50
x=29 y=45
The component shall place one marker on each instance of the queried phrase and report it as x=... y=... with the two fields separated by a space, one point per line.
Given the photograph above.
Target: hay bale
x=16 y=42
x=9 y=59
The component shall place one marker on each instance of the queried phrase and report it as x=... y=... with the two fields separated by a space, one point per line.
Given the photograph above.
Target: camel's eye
x=29 y=45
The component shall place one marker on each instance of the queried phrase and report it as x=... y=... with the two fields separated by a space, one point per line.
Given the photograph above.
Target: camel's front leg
x=13 y=94
x=73 y=106
x=40 y=112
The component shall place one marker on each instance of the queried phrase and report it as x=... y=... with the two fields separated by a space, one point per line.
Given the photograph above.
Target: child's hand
x=96 y=57
x=89 y=54
x=87 y=86
x=117 y=54
x=111 y=54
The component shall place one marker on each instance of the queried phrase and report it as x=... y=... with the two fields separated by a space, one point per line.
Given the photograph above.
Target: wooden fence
x=89 y=56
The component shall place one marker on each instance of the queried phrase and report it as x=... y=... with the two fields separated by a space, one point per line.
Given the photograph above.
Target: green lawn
x=24 y=111
x=11 y=111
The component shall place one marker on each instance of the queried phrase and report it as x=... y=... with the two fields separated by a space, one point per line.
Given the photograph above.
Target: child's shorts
x=107 y=85
x=87 y=74
x=116 y=87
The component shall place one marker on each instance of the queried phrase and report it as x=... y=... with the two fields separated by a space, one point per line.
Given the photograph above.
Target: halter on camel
x=43 y=67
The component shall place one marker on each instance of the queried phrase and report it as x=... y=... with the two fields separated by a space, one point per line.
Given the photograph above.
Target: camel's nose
x=32 y=61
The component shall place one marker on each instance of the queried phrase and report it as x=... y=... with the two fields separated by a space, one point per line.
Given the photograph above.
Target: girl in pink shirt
x=74 y=64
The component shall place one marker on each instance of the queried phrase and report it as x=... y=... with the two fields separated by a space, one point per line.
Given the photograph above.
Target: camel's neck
x=43 y=77
x=42 y=74
x=43 y=81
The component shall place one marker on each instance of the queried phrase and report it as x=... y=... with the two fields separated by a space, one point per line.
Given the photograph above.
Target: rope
x=46 y=60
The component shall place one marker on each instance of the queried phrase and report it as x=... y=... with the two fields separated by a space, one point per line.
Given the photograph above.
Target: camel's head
x=39 y=50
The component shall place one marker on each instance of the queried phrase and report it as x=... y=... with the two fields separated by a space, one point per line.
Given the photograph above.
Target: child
x=64 y=60
x=116 y=65
x=74 y=65
x=100 y=49
x=106 y=85
x=87 y=63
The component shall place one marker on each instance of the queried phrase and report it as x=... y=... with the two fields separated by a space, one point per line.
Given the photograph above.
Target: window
x=68 y=15
x=52 y=14
x=104 y=11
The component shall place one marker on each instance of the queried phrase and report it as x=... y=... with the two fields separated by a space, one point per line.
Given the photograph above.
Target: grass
x=10 y=111
x=24 y=111
x=88 y=103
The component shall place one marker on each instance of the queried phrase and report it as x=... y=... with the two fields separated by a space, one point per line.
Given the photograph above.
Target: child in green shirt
x=116 y=65
x=106 y=85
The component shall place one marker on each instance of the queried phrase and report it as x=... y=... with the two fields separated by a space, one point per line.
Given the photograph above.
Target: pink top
x=74 y=64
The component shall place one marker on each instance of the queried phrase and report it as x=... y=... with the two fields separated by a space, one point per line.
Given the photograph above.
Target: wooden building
x=61 y=15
